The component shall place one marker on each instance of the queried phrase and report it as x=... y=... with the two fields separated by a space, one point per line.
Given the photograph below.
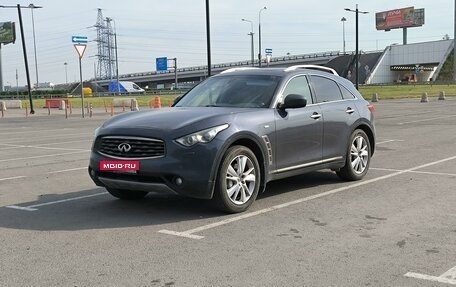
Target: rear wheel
x=238 y=180
x=127 y=194
x=357 y=158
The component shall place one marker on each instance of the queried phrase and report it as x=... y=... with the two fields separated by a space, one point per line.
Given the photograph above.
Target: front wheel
x=127 y=194
x=357 y=158
x=238 y=180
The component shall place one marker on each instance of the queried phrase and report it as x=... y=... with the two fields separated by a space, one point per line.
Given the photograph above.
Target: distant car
x=125 y=87
x=233 y=133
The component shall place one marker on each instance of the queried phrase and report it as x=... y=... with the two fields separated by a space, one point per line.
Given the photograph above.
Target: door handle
x=350 y=111
x=315 y=116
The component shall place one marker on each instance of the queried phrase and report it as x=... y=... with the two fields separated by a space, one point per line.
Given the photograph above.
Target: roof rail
x=313 y=67
x=238 y=69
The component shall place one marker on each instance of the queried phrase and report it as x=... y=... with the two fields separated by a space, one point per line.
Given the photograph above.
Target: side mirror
x=293 y=101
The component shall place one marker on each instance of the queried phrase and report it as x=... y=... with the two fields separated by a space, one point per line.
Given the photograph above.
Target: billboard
x=7 y=32
x=399 y=18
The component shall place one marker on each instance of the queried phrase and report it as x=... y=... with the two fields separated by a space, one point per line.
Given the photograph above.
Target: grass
x=383 y=91
x=406 y=91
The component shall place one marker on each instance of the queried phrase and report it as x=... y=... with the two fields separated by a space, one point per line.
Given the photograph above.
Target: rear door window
x=300 y=86
x=326 y=90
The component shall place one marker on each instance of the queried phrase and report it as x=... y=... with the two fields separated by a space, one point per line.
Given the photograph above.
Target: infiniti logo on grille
x=124 y=147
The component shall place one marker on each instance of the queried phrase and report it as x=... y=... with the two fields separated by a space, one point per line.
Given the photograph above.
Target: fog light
x=178 y=181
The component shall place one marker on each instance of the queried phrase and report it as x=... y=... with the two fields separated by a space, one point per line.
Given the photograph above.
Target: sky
x=148 y=29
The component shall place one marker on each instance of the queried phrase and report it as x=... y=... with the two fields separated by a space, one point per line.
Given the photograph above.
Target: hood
x=170 y=118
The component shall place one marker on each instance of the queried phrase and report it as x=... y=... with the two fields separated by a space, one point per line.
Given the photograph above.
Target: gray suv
x=230 y=135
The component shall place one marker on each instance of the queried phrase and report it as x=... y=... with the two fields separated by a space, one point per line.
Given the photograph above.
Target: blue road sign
x=268 y=51
x=161 y=64
x=79 y=39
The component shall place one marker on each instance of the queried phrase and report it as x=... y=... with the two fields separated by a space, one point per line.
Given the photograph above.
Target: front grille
x=138 y=147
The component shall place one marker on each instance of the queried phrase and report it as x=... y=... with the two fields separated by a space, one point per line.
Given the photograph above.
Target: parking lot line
x=190 y=233
x=12 y=140
x=66 y=170
x=448 y=277
x=14 y=177
x=388 y=141
x=414 y=171
x=39 y=147
x=425 y=120
x=34 y=207
x=42 y=156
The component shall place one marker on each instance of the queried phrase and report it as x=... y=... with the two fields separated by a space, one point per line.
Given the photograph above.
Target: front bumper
x=186 y=171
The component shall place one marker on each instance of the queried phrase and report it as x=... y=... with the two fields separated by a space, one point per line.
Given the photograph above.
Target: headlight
x=95 y=133
x=203 y=136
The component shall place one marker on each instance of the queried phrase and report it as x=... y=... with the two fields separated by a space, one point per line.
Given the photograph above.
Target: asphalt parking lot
x=397 y=227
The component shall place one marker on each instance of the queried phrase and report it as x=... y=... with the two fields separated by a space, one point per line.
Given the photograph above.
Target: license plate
x=119 y=165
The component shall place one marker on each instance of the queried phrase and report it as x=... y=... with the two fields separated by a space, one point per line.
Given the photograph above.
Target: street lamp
x=32 y=7
x=251 y=36
x=66 y=72
x=24 y=50
x=343 y=32
x=356 y=11
x=259 y=35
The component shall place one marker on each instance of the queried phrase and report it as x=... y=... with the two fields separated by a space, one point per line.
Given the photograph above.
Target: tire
x=127 y=194
x=238 y=180
x=357 y=159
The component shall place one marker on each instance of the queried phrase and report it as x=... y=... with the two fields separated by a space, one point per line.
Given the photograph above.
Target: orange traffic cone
x=157 y=103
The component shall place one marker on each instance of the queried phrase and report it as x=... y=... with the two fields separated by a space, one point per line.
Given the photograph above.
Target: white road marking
x=425 y=120
x=41 y=147
x=56 y=135
x=388 y=141
x=66 y=170
x=421 y=172
x=189 y=232
x=10 y=178
x=42 y=156
x=448 y=277
x=34 y=207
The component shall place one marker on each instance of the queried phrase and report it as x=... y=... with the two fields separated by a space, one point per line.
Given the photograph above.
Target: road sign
x=80 y=48
x=79 y=39
x=161 y=64
x=268 y=51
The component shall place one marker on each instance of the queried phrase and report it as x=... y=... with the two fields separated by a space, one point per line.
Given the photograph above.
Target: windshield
x=242 y=91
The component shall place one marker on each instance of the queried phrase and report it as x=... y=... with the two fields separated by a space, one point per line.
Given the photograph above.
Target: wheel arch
x=258 y=149
x=370 y=134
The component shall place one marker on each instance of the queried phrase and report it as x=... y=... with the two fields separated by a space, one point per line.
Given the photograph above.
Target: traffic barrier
x=62 y=105
x=157 y=102
x=374 y=98
x=13 y=104
x=91 y=111
x=54 y=103
x=3 y=108
x=424 y=98
x=134 y=105
x=442 y=96
x=121 y=102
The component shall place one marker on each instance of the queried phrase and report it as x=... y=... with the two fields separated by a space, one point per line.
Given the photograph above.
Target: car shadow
x=102 y=211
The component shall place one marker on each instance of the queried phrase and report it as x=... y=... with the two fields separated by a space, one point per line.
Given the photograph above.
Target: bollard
x=442 y=96
x=123 y=106
x=91 y=111
x=424 y=98
x=374 y=98
x=112 y=109
x=87 y=108
x=3 y=108
x=49 y=108
x=66 y=112
x=106 y=108
x=134 y=105
x=26 y=110
x=157 y=102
